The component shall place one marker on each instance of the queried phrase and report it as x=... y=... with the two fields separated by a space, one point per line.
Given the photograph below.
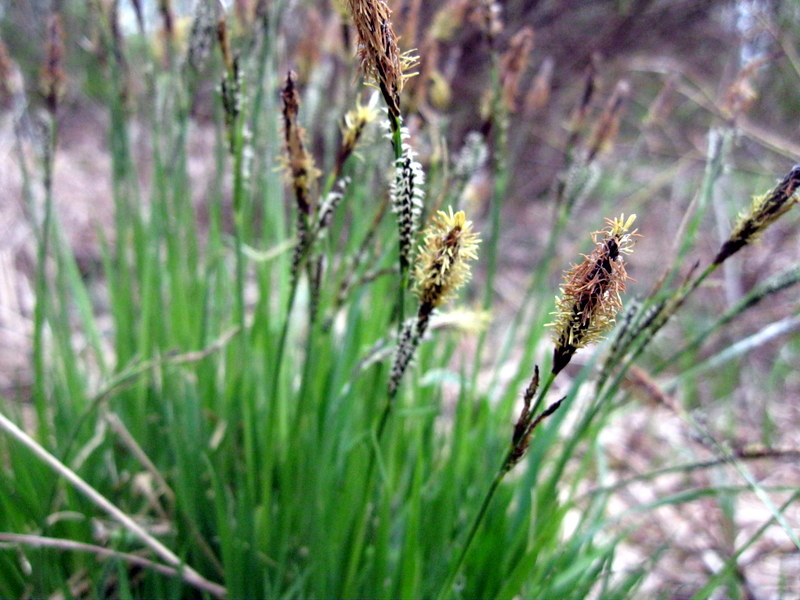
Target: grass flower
x=590 y=295
x=53 y=79
x=380 y=57
x=300 y=165
x=354 y=123
x=442 y=267
x=407 y=194
x=764 y=211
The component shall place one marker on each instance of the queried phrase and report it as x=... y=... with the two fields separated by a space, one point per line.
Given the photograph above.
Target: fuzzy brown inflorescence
x=590 y=295
x=377 y=49
x=300 y=165
x=53 y=78
x=765 y=210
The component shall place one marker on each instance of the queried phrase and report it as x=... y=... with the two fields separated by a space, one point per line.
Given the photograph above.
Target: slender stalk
x=42 y=295
x=508 y=462
x=189 y=574
x=476 y=523
x=397 y=146
x=37 y=541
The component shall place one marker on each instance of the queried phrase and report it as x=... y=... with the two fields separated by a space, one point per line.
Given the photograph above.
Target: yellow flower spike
x=442 y=264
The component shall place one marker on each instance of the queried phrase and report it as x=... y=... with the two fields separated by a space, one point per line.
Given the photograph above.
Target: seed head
x=764 y=212
x=354 y=123
x=299 y=161
x=407 y=194
x=513 y=65
x=380 y=57
x=53 y=79
x=590 y=295
x=442 y=266
x=608 y=123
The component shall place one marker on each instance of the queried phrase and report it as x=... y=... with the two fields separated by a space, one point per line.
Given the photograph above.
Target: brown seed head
x=590 y=295
x=377 y=50
x=513 y=65
x=299 y=162
x=608 y=123
x=539 y=94
x=53 y=78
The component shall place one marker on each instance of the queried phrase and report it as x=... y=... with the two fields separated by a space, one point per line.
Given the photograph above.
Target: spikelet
x=605 y=131
x=53 y=79
x=513 y=64
x=442 y=265
x=590 y=295
x=354 y=123
x=300 y=165
x=299 y=161
x=539 y=94
x=764 y=211
x=381 y=61
x=406 y=195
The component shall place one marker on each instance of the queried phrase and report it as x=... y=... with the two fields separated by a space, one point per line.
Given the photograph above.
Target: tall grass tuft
x=290 y=367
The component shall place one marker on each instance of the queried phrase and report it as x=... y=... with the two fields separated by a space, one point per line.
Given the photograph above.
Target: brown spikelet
x=528 y=421
x=377 y=49
x=539 y=94
x=300 y=166
x=299 y=161
x=53 y=79
x=742 y=93
x=608 y=123
x=513 y=65
x=590 y=295
x=765 y=210
x=225 y=43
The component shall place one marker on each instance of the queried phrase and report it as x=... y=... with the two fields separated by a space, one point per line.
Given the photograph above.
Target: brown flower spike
x=377 y=49
x=590 y=295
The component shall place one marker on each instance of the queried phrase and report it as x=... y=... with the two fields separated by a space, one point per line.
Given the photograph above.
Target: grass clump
x=261 y=393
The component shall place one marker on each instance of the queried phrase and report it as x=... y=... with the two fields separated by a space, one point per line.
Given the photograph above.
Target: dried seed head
x=539 y=93
x=380 y=57
x=513 y=65
x=764 y=212
x=590 y=295
x=608 y=123
x=298 y=160
x=742 y=92
x=53 y=79
x=442 y=265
